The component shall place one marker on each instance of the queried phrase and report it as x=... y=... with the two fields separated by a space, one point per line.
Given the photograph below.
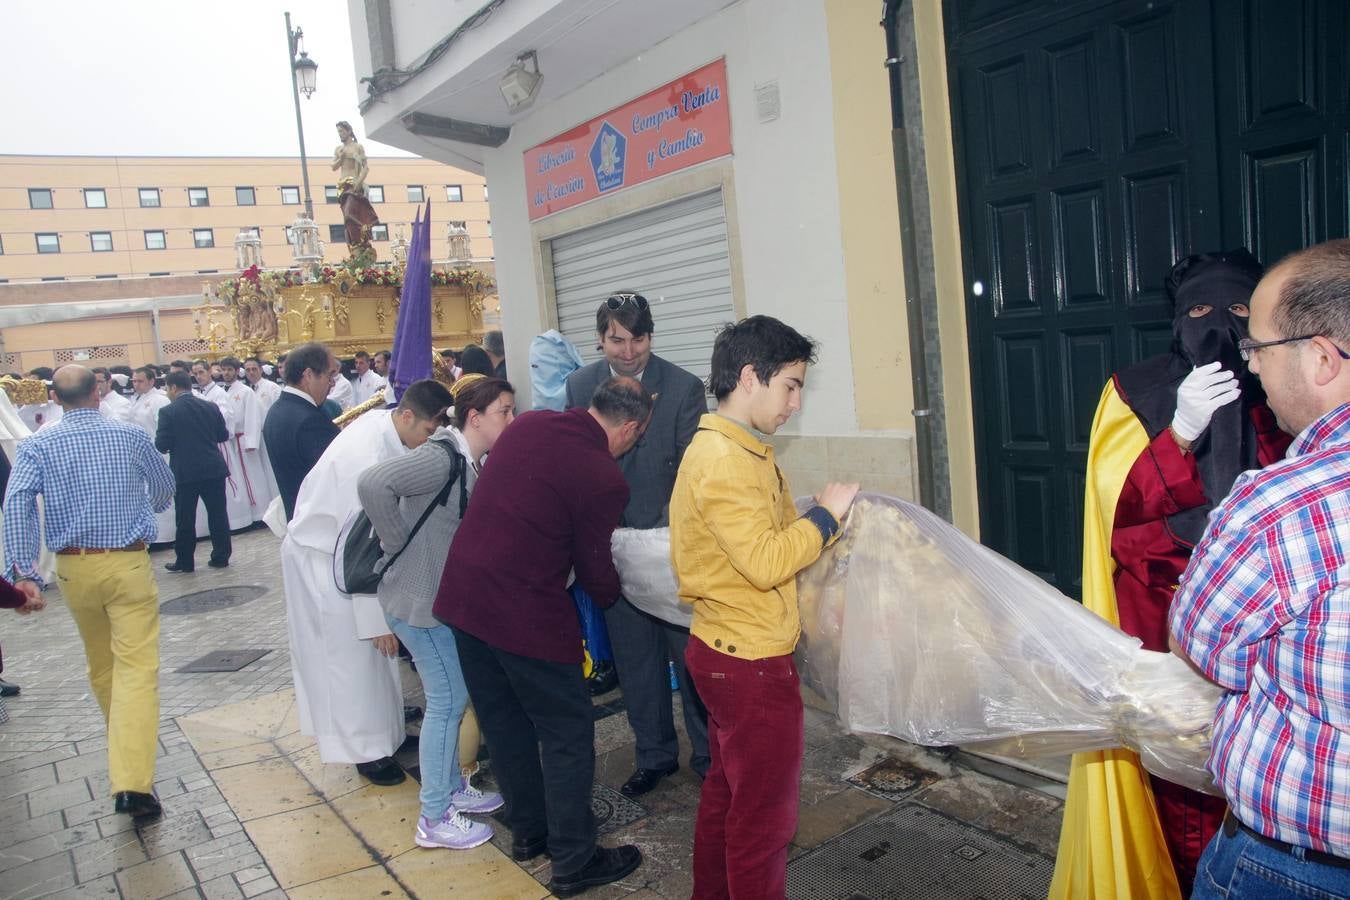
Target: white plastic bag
x=912 y=630
x=642 y=556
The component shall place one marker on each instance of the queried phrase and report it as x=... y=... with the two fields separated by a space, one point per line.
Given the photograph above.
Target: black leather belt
x=1231 y=826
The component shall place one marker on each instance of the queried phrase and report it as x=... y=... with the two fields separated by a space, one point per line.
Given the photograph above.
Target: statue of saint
x=357 y=214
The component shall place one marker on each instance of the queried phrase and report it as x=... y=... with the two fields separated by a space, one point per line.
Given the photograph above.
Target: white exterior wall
x=786 y=225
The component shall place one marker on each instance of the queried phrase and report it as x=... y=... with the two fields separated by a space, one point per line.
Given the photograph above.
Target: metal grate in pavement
x=914 y=852
x=613 y=810
x=224 y=661
x=211 y=600
x=893 y=779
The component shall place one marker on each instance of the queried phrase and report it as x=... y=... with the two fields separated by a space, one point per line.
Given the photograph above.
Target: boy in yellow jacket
x=737 y=544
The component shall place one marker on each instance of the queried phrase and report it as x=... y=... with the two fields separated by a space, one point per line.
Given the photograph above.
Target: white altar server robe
x=247 y=442
x=236 y=496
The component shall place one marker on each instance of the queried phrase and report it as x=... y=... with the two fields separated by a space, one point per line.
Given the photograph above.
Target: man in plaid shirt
x=1262 y=610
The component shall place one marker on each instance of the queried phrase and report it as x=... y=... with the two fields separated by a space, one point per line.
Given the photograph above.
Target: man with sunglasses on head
x=644 y=645
x=1264 y=612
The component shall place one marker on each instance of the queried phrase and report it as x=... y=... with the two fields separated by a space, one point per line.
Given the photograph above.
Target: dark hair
x=178 y=379
x=636 y=321
x=201 y=362
x=181 y=364
x=1315 y=298
x=384 y=353
x=148 y=371
x=347 y=125
x=762 y=342
x=473 y=359
x=102 y=370
x=427 y=399
x=622 y=399
x=361 y=354
x=230 y=362
x=494 y=343
x=42 y=372
x=478 y=397
x=76 y=391
x=120 y=370
x=313 y=356
x=253 y=359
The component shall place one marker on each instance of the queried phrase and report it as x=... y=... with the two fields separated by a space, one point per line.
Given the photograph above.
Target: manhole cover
x=892 y=779
x=208 y=601
x=224 y=661
x=916 y=852
x=612 y=810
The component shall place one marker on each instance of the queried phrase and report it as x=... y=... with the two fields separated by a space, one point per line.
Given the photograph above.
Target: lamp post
x=303 y=70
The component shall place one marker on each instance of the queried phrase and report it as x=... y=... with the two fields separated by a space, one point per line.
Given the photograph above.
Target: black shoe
x=137 y=805
x=219 y=565
x=8 y=689
x=643 y=780
x=524 y=851
x=604 y=678
x=384 y=772
x=175 y=567
x=412 y=714
x=606 y=866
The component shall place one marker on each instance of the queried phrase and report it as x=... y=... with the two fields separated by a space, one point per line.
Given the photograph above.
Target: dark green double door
x=1097 y=143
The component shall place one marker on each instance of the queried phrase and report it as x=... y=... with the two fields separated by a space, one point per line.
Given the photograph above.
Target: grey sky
x=171 y=77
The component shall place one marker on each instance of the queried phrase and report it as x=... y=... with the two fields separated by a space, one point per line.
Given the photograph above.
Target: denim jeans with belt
x=434 y=651
x=1239 y=867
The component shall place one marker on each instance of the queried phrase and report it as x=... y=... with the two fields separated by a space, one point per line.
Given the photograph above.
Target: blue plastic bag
x=593 y=631
x=552 y=359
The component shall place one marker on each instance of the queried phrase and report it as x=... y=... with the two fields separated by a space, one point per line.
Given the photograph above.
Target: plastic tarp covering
x=913 y=630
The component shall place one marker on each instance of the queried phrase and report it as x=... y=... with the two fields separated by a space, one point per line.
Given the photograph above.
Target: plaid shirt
x=101 y=483
x=1262 y=610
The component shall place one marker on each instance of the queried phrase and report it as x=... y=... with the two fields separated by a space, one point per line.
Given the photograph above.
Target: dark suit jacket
x=650 y=467
x=190 y=429
x=296 y=433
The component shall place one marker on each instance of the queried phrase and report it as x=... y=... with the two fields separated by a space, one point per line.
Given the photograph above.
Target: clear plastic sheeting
x=911 y=629
x=642 y=556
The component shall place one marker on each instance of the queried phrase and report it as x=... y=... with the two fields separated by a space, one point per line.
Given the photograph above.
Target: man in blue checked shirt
x=99 y=520
x=1263 y=609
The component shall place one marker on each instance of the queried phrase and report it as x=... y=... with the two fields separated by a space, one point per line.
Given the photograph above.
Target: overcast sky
x=172 y=77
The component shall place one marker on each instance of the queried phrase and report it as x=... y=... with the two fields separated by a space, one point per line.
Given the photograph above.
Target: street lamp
x=303 y=72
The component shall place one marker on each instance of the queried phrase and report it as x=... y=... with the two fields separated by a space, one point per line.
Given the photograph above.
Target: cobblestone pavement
x=59 y=838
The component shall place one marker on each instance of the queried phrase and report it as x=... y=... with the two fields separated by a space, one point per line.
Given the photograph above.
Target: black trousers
x=212 y=493
x=642 y=644
x=528 y=708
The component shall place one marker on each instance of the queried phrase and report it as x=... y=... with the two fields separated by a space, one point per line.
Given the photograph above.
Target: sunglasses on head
x=619 y=301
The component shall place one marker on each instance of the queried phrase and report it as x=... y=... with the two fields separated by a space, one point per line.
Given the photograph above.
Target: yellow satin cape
x=1111 y=844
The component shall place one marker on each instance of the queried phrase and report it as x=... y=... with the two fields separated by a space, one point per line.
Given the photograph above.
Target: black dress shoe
x=412 y=714
x=606 y=866
x=524 y=851
x=384 y=772
x=8 y=689
x=604 y=678
x=643 y=780
x=219 y=565
x=137 y=805
x=175 y=567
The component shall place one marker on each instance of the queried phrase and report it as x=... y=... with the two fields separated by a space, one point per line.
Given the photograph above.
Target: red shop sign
x=678 y=125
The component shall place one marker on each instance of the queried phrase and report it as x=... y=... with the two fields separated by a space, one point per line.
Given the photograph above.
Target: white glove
x=1201 y=393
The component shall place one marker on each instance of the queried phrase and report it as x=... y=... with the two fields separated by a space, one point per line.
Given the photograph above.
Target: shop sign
x=678 y=125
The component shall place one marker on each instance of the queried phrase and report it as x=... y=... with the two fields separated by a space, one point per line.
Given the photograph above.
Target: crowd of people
x=1218 y=503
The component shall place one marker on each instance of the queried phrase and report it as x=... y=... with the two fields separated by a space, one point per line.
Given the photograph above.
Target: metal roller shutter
x=674 y=255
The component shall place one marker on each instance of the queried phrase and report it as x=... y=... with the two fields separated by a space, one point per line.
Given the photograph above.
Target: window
x=337 y=234
x=149 y=196
x=39 y=198
x=330 y=193
x=454 y=193
x=203 y=238
x=489 y=225
x=290 y=196
x=154 y=240
x=48 y=243
x=244 y=196
x=416 y=194
x=379 y=232
x=198 y=197
x=254 y=230
x=290 y=236
x=2 y=248
x=100 y=241
x=485 y=193
x=375 y=193
x=95 y=198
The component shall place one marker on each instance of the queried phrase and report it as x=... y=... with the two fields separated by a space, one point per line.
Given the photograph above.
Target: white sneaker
x=454 y=832
x=470 y=799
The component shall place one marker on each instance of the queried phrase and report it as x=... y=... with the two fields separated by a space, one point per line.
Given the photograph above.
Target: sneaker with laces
x=454 y=831
x=470 y=799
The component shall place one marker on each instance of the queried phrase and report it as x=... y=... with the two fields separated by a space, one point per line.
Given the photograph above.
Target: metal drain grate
x=613 y=810
x=893 y=779
x=224 y=661
x=916 y=852
x=214 y=599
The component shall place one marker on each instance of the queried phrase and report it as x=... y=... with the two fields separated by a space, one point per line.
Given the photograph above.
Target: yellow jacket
x=737 y=542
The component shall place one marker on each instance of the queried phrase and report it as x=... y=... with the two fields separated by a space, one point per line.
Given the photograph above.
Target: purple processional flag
x=412 y=332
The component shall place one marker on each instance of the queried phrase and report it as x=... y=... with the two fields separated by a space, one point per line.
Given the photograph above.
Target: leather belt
x=1231 y=826
x=85 y=551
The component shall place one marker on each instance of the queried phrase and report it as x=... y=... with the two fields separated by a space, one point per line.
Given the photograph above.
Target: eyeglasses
x=1247 y=346
x=619 y=301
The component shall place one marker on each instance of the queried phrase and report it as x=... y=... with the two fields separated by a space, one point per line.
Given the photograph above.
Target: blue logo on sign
x=607 y=157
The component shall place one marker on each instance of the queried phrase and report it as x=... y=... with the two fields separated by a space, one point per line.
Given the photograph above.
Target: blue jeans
x=1241 y=867
x=437 y=658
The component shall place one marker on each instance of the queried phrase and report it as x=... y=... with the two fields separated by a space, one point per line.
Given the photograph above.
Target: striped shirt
x=1263 y=611
x=101 y=484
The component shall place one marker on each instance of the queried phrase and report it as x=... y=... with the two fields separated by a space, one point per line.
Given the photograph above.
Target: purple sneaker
x=470 y=799
x=453 y=832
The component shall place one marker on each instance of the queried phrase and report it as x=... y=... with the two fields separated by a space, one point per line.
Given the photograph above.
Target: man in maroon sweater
x=545 y=505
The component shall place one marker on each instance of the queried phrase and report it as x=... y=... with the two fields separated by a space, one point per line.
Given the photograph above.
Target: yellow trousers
x=115 y=603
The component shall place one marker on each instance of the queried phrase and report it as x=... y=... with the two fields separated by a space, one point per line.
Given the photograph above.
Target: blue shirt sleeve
x=20 y=516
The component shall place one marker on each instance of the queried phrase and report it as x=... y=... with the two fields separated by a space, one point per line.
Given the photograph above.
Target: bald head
x=75 y=387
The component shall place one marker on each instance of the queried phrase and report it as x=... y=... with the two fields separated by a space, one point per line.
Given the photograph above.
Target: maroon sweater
x=547 y=503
